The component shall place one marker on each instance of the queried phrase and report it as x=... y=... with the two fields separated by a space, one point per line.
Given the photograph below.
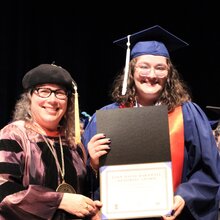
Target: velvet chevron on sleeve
x=29 y=177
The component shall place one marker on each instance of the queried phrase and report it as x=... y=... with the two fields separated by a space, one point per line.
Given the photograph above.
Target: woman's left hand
x=98 y=146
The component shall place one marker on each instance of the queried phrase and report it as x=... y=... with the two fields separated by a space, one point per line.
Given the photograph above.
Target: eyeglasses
x=160 y=70
x=46 y=92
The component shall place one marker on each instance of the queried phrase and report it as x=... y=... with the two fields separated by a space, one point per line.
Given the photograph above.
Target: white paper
x=136 y=190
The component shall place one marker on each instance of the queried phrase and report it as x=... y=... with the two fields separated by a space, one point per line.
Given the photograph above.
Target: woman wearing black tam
x=149 y=78
x=43 y=171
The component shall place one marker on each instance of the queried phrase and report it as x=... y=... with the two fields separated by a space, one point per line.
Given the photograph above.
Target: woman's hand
x=97 y=215
x=81 y=206
x=98 y=146
x=178 y=206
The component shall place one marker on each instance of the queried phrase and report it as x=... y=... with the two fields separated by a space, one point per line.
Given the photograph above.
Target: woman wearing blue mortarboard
x=149 y=78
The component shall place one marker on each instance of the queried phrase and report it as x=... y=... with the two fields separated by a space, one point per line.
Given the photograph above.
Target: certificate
x=136 y=174
x=136 y=191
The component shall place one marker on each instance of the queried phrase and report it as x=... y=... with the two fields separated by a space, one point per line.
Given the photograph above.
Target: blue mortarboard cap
x=153 y=41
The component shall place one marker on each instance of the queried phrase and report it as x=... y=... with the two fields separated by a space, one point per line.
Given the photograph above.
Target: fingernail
x=172 y=212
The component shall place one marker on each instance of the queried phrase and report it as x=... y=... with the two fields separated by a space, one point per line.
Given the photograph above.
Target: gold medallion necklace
x=63 y=186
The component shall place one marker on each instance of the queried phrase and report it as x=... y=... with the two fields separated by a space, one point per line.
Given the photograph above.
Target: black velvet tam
x=47 y=73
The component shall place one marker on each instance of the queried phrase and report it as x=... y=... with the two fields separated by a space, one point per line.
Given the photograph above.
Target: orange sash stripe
x=175 y=119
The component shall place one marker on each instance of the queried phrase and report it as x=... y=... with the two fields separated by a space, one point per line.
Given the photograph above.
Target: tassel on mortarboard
x=124 y=86
x=77 y=118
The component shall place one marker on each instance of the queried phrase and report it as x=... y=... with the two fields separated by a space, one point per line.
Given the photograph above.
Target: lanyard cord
x=53 y=151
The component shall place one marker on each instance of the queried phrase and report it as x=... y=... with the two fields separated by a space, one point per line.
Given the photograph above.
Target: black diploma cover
x=139 y=161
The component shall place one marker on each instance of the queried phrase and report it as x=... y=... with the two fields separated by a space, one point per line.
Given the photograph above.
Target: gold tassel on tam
x=77 y=119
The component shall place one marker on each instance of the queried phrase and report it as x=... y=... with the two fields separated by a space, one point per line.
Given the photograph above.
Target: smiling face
x=47 y=112
x=150 y=76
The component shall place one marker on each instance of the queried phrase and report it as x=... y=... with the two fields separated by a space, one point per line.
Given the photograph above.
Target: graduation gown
x=200 y=177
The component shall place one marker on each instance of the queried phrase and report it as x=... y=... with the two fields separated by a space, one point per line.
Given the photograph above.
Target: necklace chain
x=53 y=151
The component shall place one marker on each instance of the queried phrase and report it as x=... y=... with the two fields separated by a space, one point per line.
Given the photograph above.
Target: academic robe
x=200 y=176
x=29 y=175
